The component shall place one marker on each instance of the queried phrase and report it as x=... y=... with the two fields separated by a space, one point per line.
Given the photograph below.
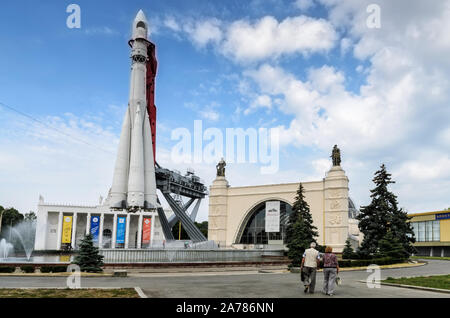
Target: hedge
x=7 y=269
x=27 y=268
x=54 y=269
x=367 y=262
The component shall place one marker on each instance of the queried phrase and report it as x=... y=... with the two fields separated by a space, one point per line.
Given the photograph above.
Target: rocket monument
x=134 y=182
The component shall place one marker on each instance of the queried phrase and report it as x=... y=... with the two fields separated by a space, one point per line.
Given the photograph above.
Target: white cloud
x=304 y=5
x=209 y=114
x=69 y=163
x=399 y=115
x=204 y=32
x=104 y=30
x=346 y=44
x=261 y=101
x=430 y=166
x=172 y=24
x=248 y=41
x=268 y=38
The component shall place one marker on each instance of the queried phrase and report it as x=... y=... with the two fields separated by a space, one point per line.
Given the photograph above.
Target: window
x=415 y=228
x=429 y=230
x=421 y=231
x=140 y=25
x=436 y=231
x=254 y=231
x=426 y=231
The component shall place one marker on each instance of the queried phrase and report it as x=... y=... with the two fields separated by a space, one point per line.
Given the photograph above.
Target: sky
x=315 y=69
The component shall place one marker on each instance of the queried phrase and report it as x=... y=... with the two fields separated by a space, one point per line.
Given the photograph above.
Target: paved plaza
x=245 y=284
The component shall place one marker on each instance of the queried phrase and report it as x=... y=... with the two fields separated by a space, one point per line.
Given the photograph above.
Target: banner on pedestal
x=146 y=230
x=66 y=236
x=95 y=225
x=121 y=221
x=272 y=216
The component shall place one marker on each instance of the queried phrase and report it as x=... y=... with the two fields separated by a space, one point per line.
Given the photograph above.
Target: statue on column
x=221 y=168
x=336 y=156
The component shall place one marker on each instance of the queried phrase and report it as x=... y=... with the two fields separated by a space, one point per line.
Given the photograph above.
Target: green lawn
x=68 y=293
x=431 y=257
x=440 y=281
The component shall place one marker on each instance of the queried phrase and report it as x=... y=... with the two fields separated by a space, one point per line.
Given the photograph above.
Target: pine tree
x=390 y=246
x=383 y=215
x=402 y=230
x=348 y=252
x=89 y=259
x=300 y=232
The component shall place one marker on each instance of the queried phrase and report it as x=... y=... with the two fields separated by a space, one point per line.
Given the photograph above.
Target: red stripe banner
x=146 y=230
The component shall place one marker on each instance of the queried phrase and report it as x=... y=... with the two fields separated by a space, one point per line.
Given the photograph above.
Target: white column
x=88 y=223
x=40 y=238
x=114 y=232
x=127 y=231
x=74 y=229
x=152 y=228
x=139 y=238
x=60 y=223
x=100 y=234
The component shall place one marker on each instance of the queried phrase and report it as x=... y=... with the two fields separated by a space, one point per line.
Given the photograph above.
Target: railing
x=182 y=256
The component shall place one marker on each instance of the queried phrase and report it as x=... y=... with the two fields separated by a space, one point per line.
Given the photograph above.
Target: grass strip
x=68 y=293
x=439 y=281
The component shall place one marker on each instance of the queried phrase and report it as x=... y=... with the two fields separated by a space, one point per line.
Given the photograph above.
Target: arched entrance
x=252 y=230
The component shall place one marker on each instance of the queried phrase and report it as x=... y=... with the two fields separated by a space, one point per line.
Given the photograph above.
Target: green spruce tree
x=390 y=246
x=348 y=252
x=88 y=258
x=383 y=215
x=402 y=230
x=300 y=231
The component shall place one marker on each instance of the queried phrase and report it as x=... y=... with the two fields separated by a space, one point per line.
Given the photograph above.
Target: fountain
x=21 y=238
x=5 y=249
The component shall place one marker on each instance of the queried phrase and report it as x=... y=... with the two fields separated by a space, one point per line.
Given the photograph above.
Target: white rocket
x=134 y=184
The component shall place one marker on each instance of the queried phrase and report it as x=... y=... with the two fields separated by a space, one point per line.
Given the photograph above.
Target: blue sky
x=310 y=67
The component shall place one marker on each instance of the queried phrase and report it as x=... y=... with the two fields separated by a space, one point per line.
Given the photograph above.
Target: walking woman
x=330 y=271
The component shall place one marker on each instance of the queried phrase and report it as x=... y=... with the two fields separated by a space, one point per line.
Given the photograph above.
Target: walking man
x=310 y=261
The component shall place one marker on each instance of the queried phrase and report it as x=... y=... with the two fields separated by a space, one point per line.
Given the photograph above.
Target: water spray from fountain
x=21 y=237
x=5 y=249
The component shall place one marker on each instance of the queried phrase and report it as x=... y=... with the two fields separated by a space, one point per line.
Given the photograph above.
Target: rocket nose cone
x=141 y=17
x=140 y=26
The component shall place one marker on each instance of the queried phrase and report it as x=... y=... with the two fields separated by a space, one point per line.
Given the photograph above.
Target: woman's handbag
x=338 y=280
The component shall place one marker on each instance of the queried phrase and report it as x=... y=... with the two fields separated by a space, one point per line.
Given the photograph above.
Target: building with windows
x=238 y=215
x=432 y=233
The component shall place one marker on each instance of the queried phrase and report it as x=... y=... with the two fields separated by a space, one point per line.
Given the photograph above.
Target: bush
x=7 y=269
x=54 y=269
x=46 y=269
x=348 y=252
x=59 y=269
x=27 y=268
x=367 y=262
